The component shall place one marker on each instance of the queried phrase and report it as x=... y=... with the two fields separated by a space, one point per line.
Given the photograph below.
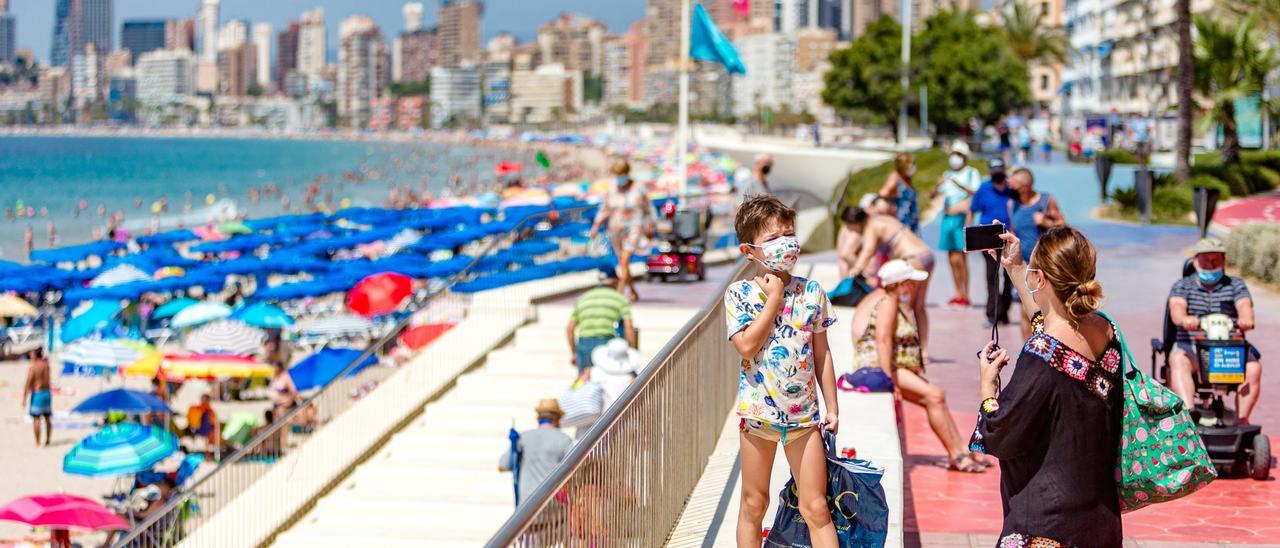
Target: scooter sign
x=1226 y=364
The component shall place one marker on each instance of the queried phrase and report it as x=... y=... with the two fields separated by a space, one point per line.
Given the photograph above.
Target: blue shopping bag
x=854 y=496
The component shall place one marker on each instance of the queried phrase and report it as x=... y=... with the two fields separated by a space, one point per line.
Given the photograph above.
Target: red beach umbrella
x=59 y=511
x=422 y=335
x=379 y=293
x=504 y=168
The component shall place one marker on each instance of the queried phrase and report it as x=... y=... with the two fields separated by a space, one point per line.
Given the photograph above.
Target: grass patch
x=929 y=167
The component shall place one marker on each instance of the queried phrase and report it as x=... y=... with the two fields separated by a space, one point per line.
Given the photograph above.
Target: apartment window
x=1044 y=9
x=1044 y=82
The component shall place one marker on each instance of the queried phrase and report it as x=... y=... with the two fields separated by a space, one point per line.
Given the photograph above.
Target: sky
x=519 y=17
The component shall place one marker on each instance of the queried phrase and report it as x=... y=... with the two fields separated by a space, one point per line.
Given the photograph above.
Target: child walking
x=778 y=324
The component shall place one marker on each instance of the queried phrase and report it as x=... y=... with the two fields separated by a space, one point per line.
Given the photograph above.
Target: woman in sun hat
x=613 y=366
x=884 y=337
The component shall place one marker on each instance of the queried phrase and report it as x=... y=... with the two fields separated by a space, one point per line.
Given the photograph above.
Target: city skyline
x=521 y=19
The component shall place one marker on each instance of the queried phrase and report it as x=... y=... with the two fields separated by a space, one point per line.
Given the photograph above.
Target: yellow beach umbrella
x=200 y=366
x=13 y=306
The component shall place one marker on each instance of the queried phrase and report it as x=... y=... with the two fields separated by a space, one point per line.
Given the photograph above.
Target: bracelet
x=990 y=405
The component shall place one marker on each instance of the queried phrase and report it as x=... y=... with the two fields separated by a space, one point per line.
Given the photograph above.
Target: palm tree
x=1031 y=41
x=1186 y=84
x=1230 y=65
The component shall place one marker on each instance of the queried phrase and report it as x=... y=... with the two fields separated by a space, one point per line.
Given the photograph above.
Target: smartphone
x=983 y=237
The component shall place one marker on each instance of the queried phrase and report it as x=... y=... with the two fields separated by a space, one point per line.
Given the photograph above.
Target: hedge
x=1254 y=248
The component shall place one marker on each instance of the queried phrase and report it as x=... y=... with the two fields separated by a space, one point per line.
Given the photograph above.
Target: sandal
x=966 y=464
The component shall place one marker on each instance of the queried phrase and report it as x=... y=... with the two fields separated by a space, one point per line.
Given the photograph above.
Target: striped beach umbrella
x=200 y=366
x=226 y=337
x=98 y=354
x=118 y=275
x=119 y=449
x=338 y=325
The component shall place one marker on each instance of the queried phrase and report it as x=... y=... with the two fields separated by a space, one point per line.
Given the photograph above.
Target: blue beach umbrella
x=122 y=399
x=119 y=449
x=202 y=312
x=94 y=318
x=323 y=366
x=168 y=309
x=264 y=315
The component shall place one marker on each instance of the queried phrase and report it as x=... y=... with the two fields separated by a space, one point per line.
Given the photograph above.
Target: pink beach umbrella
x=60 y=511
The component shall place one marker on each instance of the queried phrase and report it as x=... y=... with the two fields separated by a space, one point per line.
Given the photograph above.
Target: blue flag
x=707 y=43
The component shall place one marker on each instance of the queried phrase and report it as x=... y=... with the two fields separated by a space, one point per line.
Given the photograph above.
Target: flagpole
x=682 y=129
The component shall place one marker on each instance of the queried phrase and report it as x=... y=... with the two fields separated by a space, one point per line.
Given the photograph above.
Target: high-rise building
x=662 y=18
x=813 y=46
x=77 y=23
x=865 y=12
x=262 y=48
x=88 y=76
x=495 y=77
x=574 y=41
x=460 y=32
x=770 y=62
x=455 y=96
x=311 y=43
x=549 y=93
x=790 y=15
x=412 y=12
x=419 y=53
x=286 y=53
x=234 y=33
x=209 y=19
x=625 y=57
x=237 y=69
x=363 y=68
x=165 y=77
x=142 y=35
x=180 y=34
x=54 y=87
x=8 y=36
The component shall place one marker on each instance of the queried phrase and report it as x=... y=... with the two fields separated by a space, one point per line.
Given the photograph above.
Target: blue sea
x=204 y=179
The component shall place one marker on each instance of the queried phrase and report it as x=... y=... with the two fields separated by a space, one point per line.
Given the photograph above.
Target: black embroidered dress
x=1056 y=430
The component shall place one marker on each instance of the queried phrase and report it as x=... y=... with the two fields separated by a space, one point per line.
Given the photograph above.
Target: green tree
x=1230 y=64
x=1031 y=40
x=592 y=88
x=970 y=71
x=864 y=81
x=403 y=89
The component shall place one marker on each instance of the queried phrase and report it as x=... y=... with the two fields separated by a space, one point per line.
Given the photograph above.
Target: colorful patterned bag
x=1161 y=455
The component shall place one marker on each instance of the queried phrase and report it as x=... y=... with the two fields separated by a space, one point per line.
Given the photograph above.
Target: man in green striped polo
x=595 y=318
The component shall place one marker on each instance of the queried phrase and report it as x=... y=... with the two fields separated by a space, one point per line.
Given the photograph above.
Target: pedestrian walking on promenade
x=898 y=191
x=778 y=325
x=991 y=204
x=884 y=337
x=957 y=186
x=1056 y=426
x=594 y=321
x=630 y=218
x=1030 y=215
x=540 y=450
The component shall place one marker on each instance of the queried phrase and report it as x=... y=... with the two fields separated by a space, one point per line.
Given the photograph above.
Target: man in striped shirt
x=1210 y=291
x=595 y=320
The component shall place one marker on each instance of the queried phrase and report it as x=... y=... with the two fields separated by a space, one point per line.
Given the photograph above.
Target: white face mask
x=956 y=162
x=779 y=254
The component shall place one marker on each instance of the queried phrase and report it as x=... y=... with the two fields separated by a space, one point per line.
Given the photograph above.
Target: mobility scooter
x=678 y=252
x=1222 y=351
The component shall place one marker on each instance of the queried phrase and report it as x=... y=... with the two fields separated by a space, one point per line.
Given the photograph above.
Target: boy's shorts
x=40 y=404
x=773 y=432
x=951 y=236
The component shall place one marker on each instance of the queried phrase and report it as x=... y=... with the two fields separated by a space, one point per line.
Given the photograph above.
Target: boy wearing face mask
x=957 y=187
x=778 y=324
x=1210 y=291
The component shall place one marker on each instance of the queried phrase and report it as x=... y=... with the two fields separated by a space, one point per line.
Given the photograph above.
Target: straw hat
x=616 y=357
x=620 y=167
x=960 y=147
x=1208 y=245
x=549 y=406
x=898 y=270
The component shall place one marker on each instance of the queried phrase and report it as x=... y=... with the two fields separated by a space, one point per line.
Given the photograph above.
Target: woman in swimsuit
x=284 y=396
x=887 y=236
x=885 y=338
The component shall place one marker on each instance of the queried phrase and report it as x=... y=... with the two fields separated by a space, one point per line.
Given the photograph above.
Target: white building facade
x=455 y=95
x=768 y=83
x=311 y=43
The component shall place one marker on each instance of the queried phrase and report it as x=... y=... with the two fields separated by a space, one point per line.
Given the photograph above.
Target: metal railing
x=625 y=483
x=192 y=507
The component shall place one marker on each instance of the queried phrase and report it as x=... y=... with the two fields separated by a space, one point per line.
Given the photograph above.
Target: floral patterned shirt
x=778 y=385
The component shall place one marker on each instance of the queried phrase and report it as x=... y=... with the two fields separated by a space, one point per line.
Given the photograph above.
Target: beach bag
x=855 y=498
x=1162 y=457
x=866 y=379
x=581 y=404
x=850 y=291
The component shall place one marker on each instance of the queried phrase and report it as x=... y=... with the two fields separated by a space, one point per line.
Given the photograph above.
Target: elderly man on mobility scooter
x=1208 y=314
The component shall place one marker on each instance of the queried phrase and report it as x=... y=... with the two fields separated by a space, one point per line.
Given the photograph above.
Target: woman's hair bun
x=1085 y=299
